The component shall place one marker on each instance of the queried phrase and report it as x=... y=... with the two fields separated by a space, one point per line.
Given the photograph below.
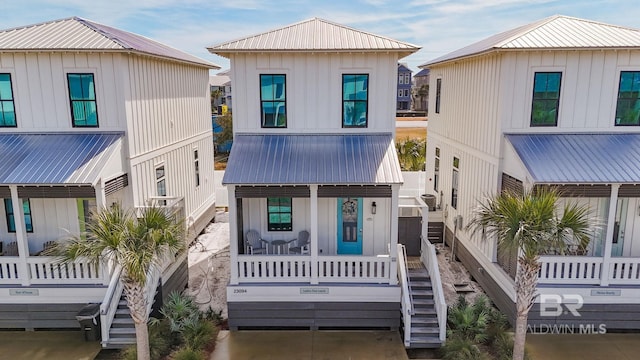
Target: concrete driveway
x=309 y=345
x=46 y=345
x=583 y=346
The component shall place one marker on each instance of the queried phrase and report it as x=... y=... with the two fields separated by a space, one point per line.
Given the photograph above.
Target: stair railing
x=430 y=260
x=109 y=304
x=407 y=299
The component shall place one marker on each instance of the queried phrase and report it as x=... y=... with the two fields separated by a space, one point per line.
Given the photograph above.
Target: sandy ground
x=209 y=266
x=453 y=273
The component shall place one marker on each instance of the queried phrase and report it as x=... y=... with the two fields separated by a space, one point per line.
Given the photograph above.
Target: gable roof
x=77 y=34
x=423 y=72
x=555 y=32
x=314 y=35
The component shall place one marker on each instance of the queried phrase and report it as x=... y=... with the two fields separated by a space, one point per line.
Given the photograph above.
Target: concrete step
x=425 y=342
x=120 y=343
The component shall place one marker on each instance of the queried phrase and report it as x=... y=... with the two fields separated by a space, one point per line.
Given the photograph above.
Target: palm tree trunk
x=526 y=283
x=137 y=303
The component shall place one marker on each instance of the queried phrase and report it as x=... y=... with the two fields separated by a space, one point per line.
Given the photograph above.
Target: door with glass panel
x=350 y=226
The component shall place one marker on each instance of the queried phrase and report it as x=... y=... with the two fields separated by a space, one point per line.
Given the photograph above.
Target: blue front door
x=350 y=226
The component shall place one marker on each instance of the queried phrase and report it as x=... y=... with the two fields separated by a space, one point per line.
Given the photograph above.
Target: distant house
x=218 y=86
x=421 y=91
x=314 y=179
x=554 y=103
x=403 y=99
x=91 y=115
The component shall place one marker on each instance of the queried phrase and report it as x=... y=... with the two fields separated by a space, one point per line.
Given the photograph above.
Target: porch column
x=393 y=239
x=314 y=233
x=101 y=199
x=608 y=240
x=21 y=236
x=233 y=235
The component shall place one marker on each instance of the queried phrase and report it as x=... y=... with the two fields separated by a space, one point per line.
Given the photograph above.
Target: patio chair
x=12 y=249
x=302 y=243
x=254 y=244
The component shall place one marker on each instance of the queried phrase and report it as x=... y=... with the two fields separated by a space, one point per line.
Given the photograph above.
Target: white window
x=407 y=79
x=400 y=79
x=399 y=92
x=406 y=92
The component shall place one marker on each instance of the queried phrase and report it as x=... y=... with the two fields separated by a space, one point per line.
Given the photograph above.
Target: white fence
x=414 y=185
x=588 y=270
x=44 y=270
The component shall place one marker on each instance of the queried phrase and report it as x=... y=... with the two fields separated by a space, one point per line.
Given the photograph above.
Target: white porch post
x=21 y=236
x=608 y=240
x=233 y=235
x=393 y=238
x=101 y=199
x=314 y=233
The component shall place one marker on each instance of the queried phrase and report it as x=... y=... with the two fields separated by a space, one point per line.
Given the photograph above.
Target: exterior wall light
x=373 y=207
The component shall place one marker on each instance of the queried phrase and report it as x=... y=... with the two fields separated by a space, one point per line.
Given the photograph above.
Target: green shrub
x=497 y=325
x=468 y=321
x=502 y=347
x=188 y=354
x=160 y=339
x=215 y=316
x=198 y=334
x=180 y=310
x=458 y=348
x=129 y=353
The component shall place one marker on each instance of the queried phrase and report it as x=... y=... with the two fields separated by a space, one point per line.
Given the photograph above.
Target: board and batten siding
x=588 y=92
x=166 y=103
x=41 y=92
x=180 y=176
x=52 y=219
x=314 y=90
x=375 y=228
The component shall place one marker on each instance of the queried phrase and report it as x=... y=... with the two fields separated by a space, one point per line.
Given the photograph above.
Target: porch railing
x=297 y=268
x=407 y=299
x=48 y=270
x=588 y=270
x=430 y=260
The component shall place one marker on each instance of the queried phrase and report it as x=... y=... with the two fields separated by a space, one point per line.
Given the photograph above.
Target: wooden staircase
x=122 y=333
x=424 y=322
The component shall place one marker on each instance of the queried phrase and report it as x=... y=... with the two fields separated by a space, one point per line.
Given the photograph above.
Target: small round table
x=280 y=245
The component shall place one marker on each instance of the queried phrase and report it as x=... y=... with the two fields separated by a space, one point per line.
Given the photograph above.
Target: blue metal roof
x=580 y=158
x=54 y=158
x=313 y=159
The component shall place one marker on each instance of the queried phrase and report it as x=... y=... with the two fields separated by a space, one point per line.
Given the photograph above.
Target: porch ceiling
x=580 y=158
x=51 y=159
x=313 y=159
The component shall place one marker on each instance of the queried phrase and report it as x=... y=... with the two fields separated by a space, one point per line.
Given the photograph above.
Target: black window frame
x=438 y=91
x=279 y=226
x=161 y=179
x=355 y=101
x=436 y=170
x=74 y=121
x=4 y=101
x=10 y=214
x=545 y=100
x=196 y=166
x=635 y=99
x=273 y=101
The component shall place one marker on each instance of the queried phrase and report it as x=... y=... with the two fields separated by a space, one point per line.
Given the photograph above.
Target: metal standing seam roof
x=78 y=34
x=51 y=159
x=580 y=158
x=555 y=32
x=329 y=159
x=316 y=35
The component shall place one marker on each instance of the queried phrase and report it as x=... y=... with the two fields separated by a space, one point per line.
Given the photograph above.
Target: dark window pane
x=355 y=100
x=7 y=111
x=273 y=100
x=628 y=106
x=546 y=98
x=83 y=100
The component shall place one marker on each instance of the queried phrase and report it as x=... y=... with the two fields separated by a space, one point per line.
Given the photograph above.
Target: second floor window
x=546 y=98
x=10 y=213
x=455 y=183
x=628 y=106
x=436 y=170
x=196 y=165
x=355 y=99
x=82 y=95
x=273 y=101
x=7 y=107
x=161 y=184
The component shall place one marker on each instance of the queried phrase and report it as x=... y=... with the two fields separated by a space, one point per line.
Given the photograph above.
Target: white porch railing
x=588 y=270
x=297 y=268
x=430 y=260
x=354 y=269
x=406 y=301
x=45 y=270
x=109 y=304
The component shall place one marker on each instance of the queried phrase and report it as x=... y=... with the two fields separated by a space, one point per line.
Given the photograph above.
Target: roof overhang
x=56 y=159
x=611 y=158
x=328 y=159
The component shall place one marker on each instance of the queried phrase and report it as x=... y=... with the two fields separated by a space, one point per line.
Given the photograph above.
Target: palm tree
x=138 y=245
x=530 y=223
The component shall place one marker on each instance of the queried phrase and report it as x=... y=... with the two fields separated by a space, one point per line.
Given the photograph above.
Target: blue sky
x=438 y=26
